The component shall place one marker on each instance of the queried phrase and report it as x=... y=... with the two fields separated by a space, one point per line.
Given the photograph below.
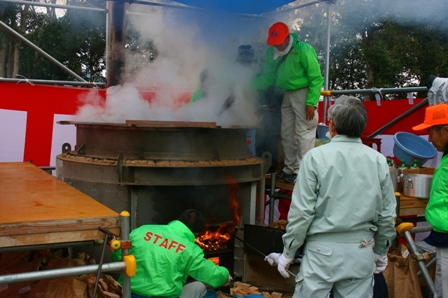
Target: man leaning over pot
x=436 y=123
x=294 y=67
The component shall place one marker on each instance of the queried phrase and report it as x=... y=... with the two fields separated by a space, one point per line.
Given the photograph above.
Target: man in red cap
x=293 y=66
x=436 y=122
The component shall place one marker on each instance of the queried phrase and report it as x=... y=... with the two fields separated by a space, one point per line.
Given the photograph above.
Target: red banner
x=389 y=110
x=43 y=102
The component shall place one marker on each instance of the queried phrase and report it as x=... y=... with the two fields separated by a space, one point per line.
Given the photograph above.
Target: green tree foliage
x=374 y=43
x=378 y=43
x=420 y=50
x=77 y=40
x=398 y=45
x=347 y=66
x=9 y=14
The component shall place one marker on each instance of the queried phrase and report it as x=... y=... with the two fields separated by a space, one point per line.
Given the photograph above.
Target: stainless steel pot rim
x=417 y=174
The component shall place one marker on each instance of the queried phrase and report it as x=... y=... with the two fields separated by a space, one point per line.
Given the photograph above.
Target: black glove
x=227 y=103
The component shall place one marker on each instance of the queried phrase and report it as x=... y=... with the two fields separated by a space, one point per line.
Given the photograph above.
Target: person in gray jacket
x=342 y=209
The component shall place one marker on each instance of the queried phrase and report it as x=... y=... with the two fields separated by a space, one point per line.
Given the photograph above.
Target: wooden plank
x=173 y=124
x=279 y=184
x=412 y=206
x=290 y=186
x=412 y=211
x=26 y=228
x=29 y=194
x=37 y=208
x=77 y=123
x=408 y=205
x=429 y=171
x=56 y=237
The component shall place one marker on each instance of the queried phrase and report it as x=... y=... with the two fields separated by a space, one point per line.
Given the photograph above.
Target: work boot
x=290 y=178
x=270 y=170
x=281 y=175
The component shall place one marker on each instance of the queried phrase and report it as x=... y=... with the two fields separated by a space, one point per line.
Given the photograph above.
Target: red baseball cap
x=434 y=115
x=277 y=34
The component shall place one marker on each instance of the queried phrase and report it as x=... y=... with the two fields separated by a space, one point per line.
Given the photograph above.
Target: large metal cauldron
x=160 y=140
x=197 y=158
x=155 y=170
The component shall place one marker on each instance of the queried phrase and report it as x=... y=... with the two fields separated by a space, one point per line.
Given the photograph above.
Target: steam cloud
x=189 y=41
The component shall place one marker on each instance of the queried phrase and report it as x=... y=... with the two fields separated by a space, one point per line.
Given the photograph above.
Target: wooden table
x=408 y=205
x=37 y=208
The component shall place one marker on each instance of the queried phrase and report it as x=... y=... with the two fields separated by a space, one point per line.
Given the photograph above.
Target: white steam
x=187 y=43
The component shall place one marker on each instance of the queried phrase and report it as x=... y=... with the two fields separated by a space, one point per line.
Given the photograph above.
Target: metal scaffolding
x=127 y=266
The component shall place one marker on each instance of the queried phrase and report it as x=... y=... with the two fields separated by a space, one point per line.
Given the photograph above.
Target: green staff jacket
x=437 y=209
x=299 y=70
x=166 y=255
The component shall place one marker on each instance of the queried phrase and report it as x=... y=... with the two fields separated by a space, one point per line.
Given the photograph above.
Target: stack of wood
x=42 y=260
x=243 y=289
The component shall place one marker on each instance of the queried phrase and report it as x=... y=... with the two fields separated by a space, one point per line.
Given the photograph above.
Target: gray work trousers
x=441 y=280
x=194 y=289
x=298 y=134
x=344 y=267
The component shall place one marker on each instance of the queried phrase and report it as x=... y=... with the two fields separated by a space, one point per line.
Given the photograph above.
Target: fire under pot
x=157 y=169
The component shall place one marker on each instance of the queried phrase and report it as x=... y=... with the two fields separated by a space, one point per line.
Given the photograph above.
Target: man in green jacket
x=436 y=122
x=293 y=66
x=167 y=255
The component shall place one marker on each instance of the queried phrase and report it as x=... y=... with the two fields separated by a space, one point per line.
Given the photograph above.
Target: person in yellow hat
x=293 y=66
x=436 y=123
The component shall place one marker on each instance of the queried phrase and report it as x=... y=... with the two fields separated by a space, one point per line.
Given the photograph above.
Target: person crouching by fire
x=167 y=255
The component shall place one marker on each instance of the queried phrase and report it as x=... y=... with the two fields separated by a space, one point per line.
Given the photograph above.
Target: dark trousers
x=139 y=296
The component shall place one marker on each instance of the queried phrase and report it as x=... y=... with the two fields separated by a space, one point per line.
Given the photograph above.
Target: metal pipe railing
x=54 y=5
x=421 y=229
x=380 y=91
x=327 y=64
x=178 y=6
x=293 y=7
x=420 y=263
x=62 y=272
x=390 y=123
x=80 y=270
x=42 y=52
x=431 y=263
x=161 y=4
x=374 y=90
x=272 y=198
x=50 y=82
x=125 y=231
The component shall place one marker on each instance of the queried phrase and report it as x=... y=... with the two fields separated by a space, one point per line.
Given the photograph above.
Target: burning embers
x=216 y=237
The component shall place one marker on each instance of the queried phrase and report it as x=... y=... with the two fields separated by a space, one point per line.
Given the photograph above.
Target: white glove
x=228 y=282
x=272 y=258
x=381 y=263
x=283 y=265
